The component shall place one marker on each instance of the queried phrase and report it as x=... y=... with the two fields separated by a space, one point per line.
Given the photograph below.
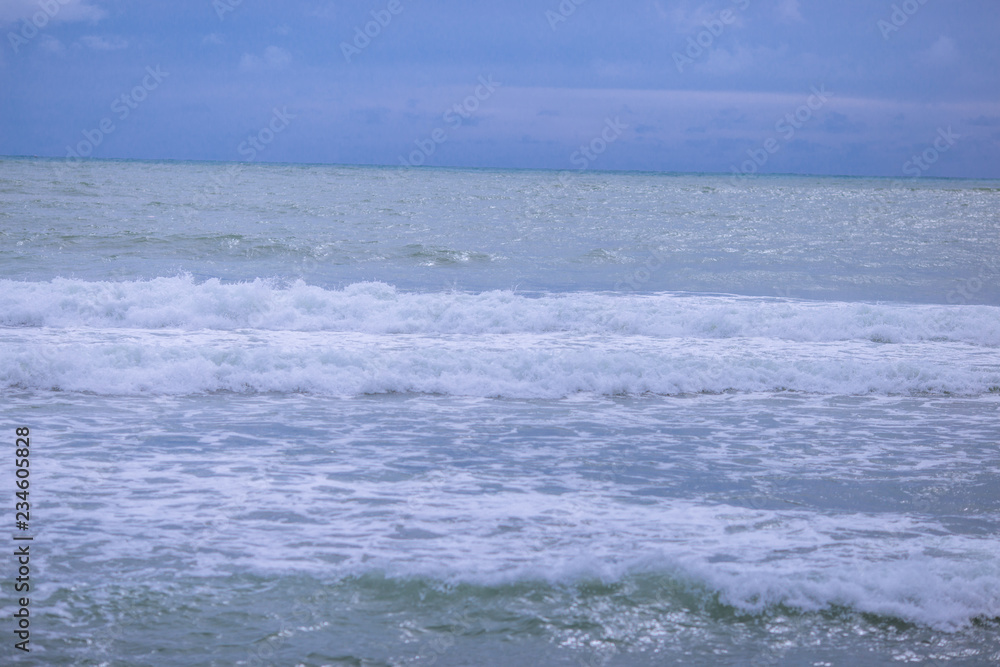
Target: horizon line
x=575 y=172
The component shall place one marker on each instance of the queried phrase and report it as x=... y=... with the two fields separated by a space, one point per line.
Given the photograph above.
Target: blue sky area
x=858 y=87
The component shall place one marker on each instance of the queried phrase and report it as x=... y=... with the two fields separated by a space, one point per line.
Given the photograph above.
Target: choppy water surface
x=322 y=415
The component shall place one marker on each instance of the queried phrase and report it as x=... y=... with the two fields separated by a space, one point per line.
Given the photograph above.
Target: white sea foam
x=891 y=565
x=184 y=303
x=523 y=365
x=888 y=564
x=176 y=336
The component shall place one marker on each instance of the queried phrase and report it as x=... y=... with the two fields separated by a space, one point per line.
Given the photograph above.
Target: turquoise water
x=325 y=415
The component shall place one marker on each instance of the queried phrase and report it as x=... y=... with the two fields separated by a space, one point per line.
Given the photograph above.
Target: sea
x=309 y=415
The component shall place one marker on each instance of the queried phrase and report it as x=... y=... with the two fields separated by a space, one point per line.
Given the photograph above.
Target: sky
x=896 y=88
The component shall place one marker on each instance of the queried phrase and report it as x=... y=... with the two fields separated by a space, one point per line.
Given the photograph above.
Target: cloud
x=213 y=38
x=96 y=43
x=942 y=52
x=274 y=58
x=327 y=11
x=51 y=44
x=723 y=61
x=788 y=10
x=686 y=19
x=12 y=11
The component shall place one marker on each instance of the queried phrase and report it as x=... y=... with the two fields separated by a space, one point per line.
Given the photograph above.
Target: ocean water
x=319 y=415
